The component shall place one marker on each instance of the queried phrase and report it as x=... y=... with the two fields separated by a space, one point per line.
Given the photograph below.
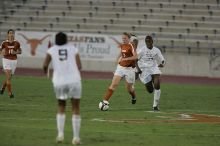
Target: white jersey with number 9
x=64 y=64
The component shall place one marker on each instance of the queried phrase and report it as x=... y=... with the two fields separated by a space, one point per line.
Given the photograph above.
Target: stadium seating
x=175 y=25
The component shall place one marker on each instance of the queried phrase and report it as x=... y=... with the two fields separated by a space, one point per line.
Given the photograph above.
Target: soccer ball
x=104 y=105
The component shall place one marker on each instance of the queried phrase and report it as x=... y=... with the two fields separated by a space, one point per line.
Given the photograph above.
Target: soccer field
x=189 y=116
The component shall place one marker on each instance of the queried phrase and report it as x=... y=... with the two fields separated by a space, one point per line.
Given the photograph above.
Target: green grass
x=29 y=119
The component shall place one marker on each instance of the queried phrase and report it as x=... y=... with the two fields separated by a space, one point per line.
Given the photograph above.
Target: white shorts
x=63 y=92
x=145 y=76
x=127 y=72
x=9 y=65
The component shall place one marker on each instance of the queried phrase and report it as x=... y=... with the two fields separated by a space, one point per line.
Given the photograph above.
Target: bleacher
x=176 y=25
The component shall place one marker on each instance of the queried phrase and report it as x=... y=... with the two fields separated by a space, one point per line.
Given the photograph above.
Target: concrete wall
x=177 y=64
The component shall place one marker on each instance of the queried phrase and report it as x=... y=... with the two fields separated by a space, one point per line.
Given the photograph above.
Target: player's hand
x=139 y=71
x=137 y=74
x=3 y=52
x=160 y=65
x=119 y=59
x=13 y=52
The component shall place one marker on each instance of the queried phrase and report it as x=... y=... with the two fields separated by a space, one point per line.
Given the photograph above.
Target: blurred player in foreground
x=150 y=75
x=9 y=49
x=66 y=82
x=125 y=68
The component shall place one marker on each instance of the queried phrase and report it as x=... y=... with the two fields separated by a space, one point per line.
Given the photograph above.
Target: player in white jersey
x=148 y=56
x=67 y=83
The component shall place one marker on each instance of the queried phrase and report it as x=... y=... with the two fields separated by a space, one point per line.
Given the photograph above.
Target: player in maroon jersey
x=9 y=50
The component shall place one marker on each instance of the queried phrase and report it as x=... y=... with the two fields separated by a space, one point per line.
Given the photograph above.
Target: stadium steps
x=198 y=20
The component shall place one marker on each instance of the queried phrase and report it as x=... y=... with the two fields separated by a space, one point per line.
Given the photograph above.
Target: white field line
x=103 y=120
x=186 y=110
x=182 y=112
x=180 y=117
x=141 y=121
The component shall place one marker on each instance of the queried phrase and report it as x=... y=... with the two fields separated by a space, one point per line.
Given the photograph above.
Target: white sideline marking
x=163 y=117
x=186 y=117
x=185 y=110
x=176 y=112
x=182 y=117
x=103 y=120
x=157 y=112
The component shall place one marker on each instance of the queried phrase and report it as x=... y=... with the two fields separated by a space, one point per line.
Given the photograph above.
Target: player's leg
x=6 y=66
x=75 y=92
x=157 y=92
x=61 y=96
x=76 y=120
x=8 y=82
x=13 y=65
x=149 y=86
x=131 y=91
x=2 y=90
x=115 y=81
x=130 y=80
x=9 y=67
x=61 y=120
x=146 y=78
x=119 y=73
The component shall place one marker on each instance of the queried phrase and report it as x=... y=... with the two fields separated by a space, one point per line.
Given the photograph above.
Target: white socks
x=60 y=124
x=76 y=123
x=156 y=97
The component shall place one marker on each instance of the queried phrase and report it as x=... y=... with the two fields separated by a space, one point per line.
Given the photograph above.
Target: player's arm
x=118 y=43
x=134 y=57
x=161 y=58
x=46 y=63
x=13 y=52
x=118 y=59
x=137 y=67
x=162 y=64
x=2 y=50
x=138 y=70
x=78 y=62
x=18 y=51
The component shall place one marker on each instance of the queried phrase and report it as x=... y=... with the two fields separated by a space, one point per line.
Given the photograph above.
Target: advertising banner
x=91 y=46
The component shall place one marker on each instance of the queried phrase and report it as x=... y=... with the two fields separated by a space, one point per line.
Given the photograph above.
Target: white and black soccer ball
x=104 y=105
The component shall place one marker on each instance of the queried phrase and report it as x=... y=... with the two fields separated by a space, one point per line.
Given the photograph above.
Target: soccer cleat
x=76 y=141
x=156 y=108
x=12 y=95
x=133 y=100
x=59 y=139
x=2 y=91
